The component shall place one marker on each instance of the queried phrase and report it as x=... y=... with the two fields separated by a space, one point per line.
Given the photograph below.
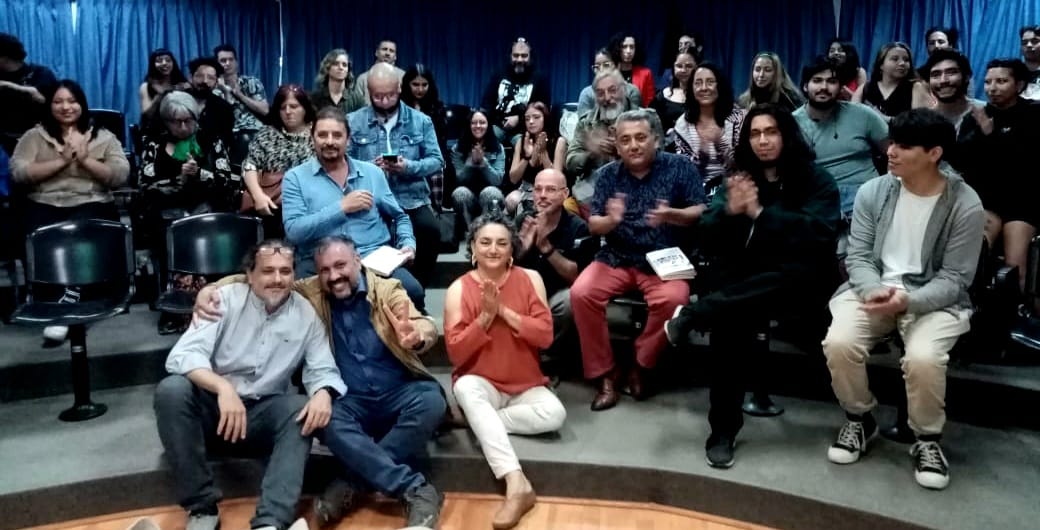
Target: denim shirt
x=311 y=210
x=412 y=137
x=368 y=367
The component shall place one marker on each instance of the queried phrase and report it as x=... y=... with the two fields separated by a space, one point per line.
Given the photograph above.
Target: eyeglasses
x=548 y=189
x=599 y=66
x=271 y=251
x=181 y=121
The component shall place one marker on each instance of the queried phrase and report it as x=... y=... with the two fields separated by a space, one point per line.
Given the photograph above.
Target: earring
x=473 y=261
x=510 y=262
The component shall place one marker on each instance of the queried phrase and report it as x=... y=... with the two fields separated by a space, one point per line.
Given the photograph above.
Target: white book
x=383 y=260
x=671 y=264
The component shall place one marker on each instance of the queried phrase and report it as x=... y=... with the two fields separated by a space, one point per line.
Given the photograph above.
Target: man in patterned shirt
x=246 y=95
x=639 y=204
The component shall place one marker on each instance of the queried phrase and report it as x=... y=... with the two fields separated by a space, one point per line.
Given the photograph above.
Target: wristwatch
x=545 y=255
x=333 y=393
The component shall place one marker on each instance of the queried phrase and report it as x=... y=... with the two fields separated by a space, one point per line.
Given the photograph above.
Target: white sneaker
x=144 y=523
x=56 y=333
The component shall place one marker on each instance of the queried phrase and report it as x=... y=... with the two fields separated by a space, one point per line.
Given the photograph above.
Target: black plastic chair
x=210 y=244
x=94 y=254
x=456 y=116
x=114 y=121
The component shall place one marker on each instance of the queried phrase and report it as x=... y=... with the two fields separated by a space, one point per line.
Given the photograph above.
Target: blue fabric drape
x=464 y=42
x=988 y=29
x=120 y=34
x=45 y=28
x=735 y=31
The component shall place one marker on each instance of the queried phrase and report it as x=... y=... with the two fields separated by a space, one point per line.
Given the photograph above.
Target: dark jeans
x=374 y=436
x=187 y=417
x=427 y=241
x=411 y=286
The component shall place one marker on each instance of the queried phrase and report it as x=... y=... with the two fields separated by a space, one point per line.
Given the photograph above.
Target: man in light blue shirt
x=230 y=385
x=336 y=195
x=401 y=141
x=845 y=136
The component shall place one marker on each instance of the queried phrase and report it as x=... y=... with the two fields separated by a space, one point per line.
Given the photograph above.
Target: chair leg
x=83 y=408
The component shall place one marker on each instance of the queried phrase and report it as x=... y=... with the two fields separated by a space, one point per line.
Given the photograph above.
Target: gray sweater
x=952 y=243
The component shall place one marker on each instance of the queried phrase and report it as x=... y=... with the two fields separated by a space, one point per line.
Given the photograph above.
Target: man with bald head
x=547 y=245
x=402 y=142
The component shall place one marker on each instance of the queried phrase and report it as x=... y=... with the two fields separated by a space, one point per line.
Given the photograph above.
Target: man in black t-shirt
x=22 y=89
x=508 y=93
x=547 y=241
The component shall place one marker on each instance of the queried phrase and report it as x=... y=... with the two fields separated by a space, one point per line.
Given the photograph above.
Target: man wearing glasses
x=547 y=245
x=231 y=386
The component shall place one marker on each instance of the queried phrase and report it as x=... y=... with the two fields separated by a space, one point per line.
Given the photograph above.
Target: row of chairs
x=99 y=255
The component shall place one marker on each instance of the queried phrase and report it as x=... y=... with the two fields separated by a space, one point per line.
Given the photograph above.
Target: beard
x=958 y=94
x=823 y=105
x=200 y=92
x=610 y=113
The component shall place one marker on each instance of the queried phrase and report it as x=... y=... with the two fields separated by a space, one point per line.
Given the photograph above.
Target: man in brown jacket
x=392 y=405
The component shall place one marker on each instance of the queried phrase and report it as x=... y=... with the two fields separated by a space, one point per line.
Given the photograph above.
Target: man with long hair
x=771 y=233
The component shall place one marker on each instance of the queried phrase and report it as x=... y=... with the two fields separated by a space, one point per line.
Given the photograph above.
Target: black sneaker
x=852 y=441
x=423 y=506
x=338 y=499
x=719 y=451
x=672 y=331
x=931 y=470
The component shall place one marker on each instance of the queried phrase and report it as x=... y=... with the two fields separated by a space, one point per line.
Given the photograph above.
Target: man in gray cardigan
x=913 y=249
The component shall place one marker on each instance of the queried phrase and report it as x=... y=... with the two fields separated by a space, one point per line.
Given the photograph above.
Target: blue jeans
x=411 y=286
x=374 y=436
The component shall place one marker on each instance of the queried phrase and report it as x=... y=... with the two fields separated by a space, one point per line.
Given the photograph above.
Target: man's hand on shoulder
x=207 y=306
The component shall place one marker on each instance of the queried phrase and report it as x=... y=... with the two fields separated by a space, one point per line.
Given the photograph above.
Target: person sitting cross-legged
x=771 y=232
x=496 y=320
x=231 y=386
x=913 y=249
x=392 y=405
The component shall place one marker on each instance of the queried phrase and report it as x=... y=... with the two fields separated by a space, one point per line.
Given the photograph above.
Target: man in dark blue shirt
x=639 y=204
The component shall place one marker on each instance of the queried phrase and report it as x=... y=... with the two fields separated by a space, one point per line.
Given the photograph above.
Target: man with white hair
x=593 y=144
x=401 y=141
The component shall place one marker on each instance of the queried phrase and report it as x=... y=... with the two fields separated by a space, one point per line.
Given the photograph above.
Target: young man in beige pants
x=913 y=249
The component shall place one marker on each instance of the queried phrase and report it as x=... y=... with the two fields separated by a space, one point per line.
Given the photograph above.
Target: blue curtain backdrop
x=988 y=28
x=736 y=30
x=45 y=28
x=120 y=34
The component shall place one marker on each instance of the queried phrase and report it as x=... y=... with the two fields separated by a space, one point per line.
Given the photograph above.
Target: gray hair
x=178 y=102
x=604 y=74
x=641 y=115
x=329 y=241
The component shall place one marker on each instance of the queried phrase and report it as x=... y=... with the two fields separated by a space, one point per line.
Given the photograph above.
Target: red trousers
x=596 y=285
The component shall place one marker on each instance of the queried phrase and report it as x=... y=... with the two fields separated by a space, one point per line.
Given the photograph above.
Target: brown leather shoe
x=607 y=396
x=513 y=509
x=638 y=386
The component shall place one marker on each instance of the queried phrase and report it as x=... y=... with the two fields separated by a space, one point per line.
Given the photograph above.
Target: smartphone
x=387 y=157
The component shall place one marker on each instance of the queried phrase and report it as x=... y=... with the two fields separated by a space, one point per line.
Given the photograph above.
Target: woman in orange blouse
x=496 y=320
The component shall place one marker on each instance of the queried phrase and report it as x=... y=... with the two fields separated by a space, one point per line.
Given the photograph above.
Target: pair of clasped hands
x=318 y=411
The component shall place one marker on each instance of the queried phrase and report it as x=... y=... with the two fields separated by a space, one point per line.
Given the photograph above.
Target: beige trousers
x=927 y=342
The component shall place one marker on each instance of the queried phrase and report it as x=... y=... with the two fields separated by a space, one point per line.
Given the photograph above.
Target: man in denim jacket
x=402 y=142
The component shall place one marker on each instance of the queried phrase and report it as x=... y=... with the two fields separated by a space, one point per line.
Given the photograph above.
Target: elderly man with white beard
x=593 y=144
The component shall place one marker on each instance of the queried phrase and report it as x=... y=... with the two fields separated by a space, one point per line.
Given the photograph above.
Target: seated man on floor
x=913 y=249
x=640 y=204
x=230 y=385
x=393 y=404
x=334 y=194
x=547 y=245
x=771 y=234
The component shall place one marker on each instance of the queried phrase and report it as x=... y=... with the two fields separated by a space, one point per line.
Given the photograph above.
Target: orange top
x=508 y=359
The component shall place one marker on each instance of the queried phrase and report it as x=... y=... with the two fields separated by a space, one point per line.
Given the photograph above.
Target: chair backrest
x=211 y=243
x=83 y=252
x=114 y=121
